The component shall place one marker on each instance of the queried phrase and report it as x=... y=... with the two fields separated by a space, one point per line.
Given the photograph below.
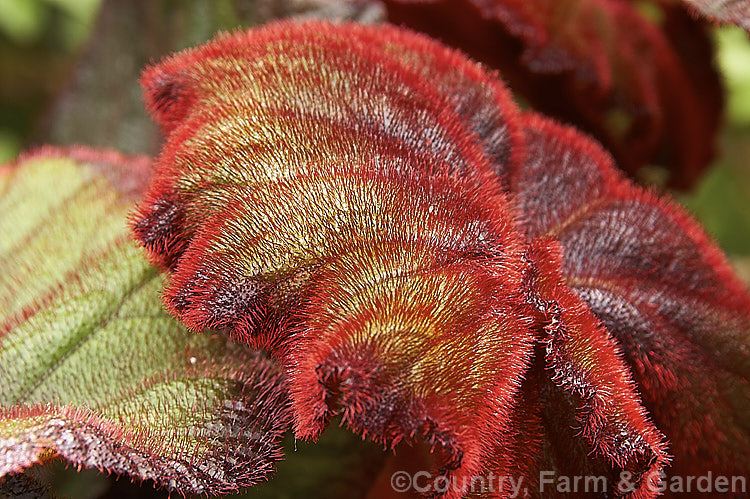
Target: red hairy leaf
x=282 y=230
x=587 y=361
x=334 y=194
x=172 y=87
x=660 y=286
x=648 y=92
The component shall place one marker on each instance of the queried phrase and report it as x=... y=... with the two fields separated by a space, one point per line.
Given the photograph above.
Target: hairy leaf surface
x=92 y=368
x=334 y=194
x=658 y=283
x=647 y=91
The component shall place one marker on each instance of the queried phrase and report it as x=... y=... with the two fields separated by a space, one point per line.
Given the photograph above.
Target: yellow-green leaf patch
x=91 y=367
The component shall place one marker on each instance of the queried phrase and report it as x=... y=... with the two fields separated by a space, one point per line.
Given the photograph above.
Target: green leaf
x=91 y=367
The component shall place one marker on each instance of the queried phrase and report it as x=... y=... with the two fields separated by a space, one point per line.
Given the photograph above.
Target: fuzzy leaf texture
x=91 y=367
x=662 y=288
x=427 y=261
x=646 y=88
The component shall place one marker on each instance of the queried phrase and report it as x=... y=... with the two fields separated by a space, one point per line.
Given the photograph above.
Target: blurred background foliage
x=39 y=40
x=722 y=199
x=68 y=71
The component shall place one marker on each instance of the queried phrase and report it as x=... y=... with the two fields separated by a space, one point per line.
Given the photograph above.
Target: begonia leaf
x=334 y=194
x=647 y=91
x=91 y=368
x=242 y=255
x=658 y=283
